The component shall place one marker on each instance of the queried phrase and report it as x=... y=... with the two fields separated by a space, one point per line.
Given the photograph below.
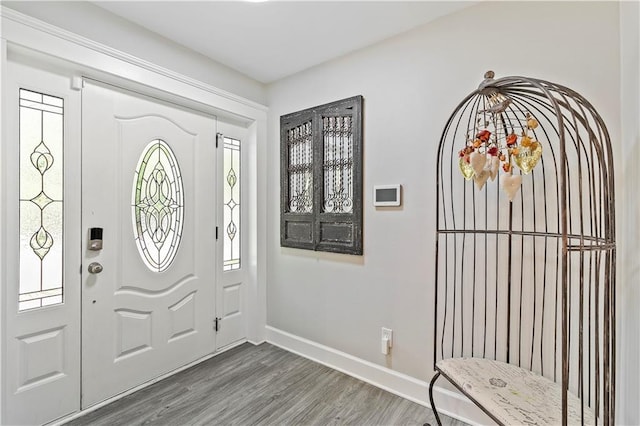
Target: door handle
x=95 y=268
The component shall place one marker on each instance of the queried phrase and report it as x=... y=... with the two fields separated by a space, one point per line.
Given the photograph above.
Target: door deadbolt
x=95 y=268
x=95 y=239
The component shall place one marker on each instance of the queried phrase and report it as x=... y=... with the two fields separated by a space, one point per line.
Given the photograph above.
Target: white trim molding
x=448 y=402
x=3 y=217
x=78 y=40
x=101 y=62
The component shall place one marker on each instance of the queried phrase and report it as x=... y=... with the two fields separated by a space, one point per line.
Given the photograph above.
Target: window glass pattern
x=41 y=127
x=300 y=168
x=338 y=164
x=157 y=206
x=232 y=222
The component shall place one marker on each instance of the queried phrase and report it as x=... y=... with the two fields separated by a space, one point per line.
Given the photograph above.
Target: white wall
x=95 y=23
x=628 y=175
x=410 y=84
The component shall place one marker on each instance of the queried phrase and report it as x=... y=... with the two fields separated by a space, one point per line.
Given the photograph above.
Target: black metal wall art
x=321 y=177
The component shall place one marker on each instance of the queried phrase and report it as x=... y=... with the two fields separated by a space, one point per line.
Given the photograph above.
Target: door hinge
x=218 y=137
x=216 y=233
x=216 y=324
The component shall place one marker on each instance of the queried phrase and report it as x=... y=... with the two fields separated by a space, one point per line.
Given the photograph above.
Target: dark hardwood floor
x=260 y=385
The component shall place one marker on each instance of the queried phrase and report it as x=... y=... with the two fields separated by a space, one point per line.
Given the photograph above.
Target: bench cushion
x=512 y=395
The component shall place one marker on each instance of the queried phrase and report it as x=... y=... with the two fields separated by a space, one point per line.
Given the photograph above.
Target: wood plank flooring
x=260 y=385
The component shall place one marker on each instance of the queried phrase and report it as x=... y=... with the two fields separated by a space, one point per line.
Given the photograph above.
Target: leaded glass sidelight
x=232 y=222
x=157 y=206
x=41 y=125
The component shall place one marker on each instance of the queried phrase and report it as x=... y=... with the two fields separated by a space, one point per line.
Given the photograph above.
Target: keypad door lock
x=95 y=239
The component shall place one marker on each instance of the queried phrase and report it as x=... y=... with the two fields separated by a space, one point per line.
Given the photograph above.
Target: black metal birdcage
x=526 y=255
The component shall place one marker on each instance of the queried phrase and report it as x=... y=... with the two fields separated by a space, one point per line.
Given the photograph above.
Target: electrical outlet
x=387 y=340
x=388 y=334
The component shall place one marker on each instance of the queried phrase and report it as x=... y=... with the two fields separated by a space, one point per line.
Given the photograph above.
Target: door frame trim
x=98 y=61
x=107 y=54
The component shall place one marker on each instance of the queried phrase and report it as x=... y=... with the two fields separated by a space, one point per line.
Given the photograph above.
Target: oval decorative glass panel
x=157 y=205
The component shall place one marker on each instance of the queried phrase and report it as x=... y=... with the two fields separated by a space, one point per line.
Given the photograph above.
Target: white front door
x=40 y=237
x=148 y=181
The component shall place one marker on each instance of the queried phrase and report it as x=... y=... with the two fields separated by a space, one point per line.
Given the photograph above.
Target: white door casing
x=41 y=366
x=31 y=38
x=138 y=324
x=231 y=288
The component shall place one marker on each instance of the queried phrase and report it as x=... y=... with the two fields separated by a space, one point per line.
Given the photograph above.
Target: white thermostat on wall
x=386 y=195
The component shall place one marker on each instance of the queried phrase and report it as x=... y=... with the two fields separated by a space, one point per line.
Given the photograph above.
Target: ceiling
x=274 y=39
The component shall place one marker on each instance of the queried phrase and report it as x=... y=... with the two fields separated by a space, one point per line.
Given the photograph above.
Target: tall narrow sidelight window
x=41 y=126
x=232 y=222
x=321 y=177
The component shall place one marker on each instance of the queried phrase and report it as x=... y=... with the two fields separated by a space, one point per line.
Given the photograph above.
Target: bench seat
x=512 y=395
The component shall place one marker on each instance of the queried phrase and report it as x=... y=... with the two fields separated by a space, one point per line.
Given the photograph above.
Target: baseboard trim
x=448 y=402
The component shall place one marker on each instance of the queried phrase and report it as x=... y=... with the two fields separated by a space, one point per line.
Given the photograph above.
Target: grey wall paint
x=410 y=85
x=97 y=24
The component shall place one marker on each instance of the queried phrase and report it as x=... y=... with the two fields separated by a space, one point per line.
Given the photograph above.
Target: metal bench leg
x=433 y=405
